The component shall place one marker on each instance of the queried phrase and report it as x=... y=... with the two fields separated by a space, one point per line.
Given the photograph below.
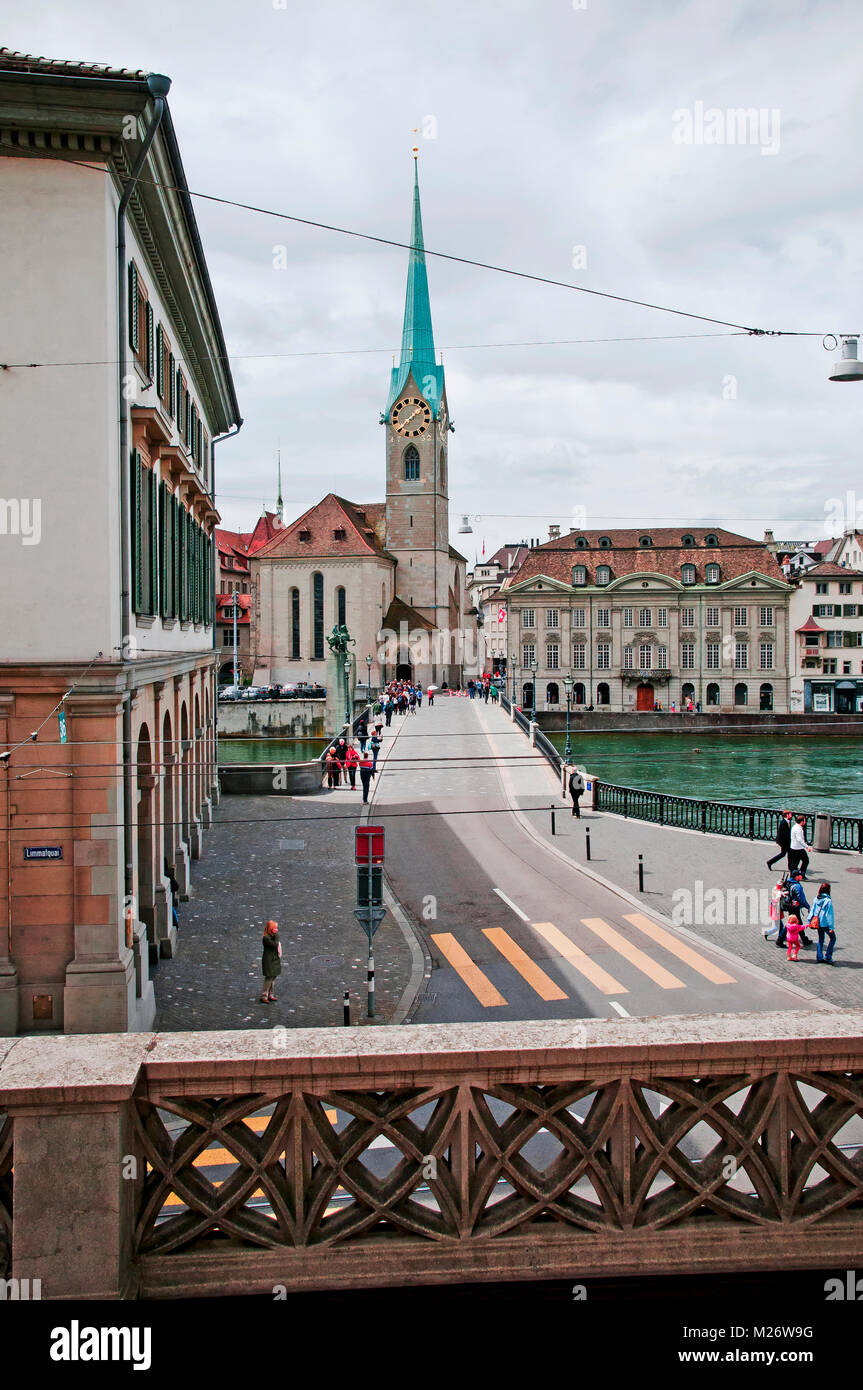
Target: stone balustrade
x=194 y=1164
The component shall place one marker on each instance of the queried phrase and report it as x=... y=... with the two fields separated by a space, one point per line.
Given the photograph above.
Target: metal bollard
x=552 y=819
x=587 y=841
x=641 y=873
x=347 y=1010
x=371 y=979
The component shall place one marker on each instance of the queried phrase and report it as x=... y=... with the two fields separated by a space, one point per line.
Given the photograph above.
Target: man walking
x=797 y=855
x=367 y=772
x=576 y=787
x=783 y=838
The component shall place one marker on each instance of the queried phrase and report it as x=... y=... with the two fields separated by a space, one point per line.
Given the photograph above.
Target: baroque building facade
x=649 y=618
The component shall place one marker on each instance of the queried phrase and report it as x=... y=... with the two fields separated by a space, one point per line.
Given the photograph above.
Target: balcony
x=213 y=1164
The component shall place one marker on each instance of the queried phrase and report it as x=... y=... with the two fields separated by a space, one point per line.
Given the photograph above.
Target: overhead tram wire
x=465 y=260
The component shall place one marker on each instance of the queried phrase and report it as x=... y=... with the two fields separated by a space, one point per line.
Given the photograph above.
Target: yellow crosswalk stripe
x=633 y=954
x=520 y=961
x=478 y=983
x=680 y=949
x=562 y=946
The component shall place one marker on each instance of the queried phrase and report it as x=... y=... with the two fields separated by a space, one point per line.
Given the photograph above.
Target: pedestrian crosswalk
x=599 y=935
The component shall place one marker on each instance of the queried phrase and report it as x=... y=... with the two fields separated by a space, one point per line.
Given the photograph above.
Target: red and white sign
x=501 y=615
x=369 y=845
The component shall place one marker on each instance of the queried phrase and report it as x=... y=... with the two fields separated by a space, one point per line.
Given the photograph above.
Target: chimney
x=554 y=533
x=768 y=538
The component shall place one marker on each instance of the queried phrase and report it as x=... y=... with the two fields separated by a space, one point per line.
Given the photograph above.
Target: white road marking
x=620 y=1009
x=517 y=910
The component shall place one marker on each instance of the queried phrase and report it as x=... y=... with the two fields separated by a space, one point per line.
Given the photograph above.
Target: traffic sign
x=369 y=845
x=370 y=919
x=363 y=875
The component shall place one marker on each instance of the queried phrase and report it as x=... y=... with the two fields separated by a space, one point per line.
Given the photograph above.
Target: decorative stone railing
x=195 y=1164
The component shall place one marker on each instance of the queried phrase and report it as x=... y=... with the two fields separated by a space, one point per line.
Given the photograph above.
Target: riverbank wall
x=606 y=722
x=271 y=718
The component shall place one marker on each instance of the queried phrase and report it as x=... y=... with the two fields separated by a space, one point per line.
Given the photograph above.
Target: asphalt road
x=513 y=930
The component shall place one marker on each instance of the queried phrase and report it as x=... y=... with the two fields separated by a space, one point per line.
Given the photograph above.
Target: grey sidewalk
x=678 y=861
x=292 y=859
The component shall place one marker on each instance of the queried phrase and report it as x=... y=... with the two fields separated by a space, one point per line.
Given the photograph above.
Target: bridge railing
x=205 y=1164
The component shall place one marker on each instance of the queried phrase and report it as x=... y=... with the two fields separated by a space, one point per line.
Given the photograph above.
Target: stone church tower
x=417 y=425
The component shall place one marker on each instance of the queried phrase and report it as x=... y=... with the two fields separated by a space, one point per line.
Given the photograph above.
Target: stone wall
x=604 y=722
x=279 y=718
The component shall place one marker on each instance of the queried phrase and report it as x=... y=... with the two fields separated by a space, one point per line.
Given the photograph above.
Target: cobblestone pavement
x=676 y=862
x=292 y=859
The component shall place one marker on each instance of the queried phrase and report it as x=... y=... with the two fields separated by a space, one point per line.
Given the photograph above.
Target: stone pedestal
x=8 y=1000
x=195 y=838
x=181 y=870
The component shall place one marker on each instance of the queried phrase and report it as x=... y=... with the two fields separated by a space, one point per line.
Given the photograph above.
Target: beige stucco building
x=109 y=614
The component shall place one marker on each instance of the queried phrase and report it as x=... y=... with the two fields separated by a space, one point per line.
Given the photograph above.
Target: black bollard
x=347 y=1010
x=552 y=819
x=587 y=841
x=641 y=873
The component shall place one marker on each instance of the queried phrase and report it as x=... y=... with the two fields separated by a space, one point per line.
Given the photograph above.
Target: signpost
x=369 y=911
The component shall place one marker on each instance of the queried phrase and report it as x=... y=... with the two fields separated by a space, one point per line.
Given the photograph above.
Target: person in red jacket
x=367 y=772
x=352 y=762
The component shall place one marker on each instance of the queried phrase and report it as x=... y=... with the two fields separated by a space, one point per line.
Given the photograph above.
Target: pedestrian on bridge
x=367 y=772
x=783 y=838
x=576 y=789
x=352 y=762
x=271 y=961
x=822 y=916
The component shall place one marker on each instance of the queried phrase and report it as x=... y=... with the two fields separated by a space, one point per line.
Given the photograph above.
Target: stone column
x=8 y=971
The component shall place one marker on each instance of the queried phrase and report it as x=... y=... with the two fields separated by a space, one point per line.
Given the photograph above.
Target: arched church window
x=341 y=606
x=295 y=624
x=443 y=470
x=318 y=616
x=412 y=464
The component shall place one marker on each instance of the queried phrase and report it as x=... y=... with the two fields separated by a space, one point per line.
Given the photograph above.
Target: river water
x=270 y=750
x=807 y=774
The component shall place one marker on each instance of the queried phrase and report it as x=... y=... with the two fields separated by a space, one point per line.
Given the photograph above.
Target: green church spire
x=418 y=352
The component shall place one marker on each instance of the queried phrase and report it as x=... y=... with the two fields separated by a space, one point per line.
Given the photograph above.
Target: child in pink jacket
x=793 y=930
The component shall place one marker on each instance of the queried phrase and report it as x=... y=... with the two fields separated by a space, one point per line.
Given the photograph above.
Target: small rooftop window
x=645 y=541
x=305 y=535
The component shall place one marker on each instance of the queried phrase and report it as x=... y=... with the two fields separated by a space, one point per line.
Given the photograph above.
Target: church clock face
x=412 y=416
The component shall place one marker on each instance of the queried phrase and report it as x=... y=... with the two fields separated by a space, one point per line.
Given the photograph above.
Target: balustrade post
x=703 y=817
x=626 y=801
x=751 y=824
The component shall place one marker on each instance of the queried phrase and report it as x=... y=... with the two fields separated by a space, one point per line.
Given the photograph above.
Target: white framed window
x=603 y=617
x=578 y=616
x=528 y=654
x=552 y=617
x=628 y=617
x=603 y=575
x=603 y=656
x=579 y=656
x=713 y=656
x=711 y=574
x=741 y=617
x=552 y=656
x=741 y=655
x=528 y=617
x=687 y=574
x=662 y=658
x=645 y=656
x=765 y=656
x=765 y=617
x=628 y=659
x=662 y=617
x=687 y=617
x=645 y=617
x=687 y=656
x=712 y=617
x=579 y=575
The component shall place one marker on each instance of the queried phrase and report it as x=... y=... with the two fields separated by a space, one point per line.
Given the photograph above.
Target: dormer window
x=340 y=534
x=688 y=542
x=305 y=535
x=711 y=540
x=581 y=543
x=645 y=542
x=579 y=575
x=687 y=574
x=711 y=574
x=605 y=542
x=603 y=574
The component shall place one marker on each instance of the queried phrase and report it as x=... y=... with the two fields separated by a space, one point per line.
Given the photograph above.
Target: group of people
x=790 y=912
x=344 y=759
x=401 y=697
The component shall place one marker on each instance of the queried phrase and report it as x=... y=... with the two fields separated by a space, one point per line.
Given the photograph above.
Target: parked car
x=230 y=692
x=251 y=692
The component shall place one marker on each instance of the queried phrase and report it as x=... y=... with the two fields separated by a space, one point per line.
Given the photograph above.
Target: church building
x=384 y=569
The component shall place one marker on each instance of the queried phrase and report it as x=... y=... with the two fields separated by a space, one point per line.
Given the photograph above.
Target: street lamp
x=236 y=666
x=568 y=683
x=512 y=660
x=369 y=676
x=534 y=667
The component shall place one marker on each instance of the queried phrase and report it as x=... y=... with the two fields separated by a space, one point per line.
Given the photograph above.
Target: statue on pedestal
x=341 y=676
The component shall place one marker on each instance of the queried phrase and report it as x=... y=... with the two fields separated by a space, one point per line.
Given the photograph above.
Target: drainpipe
x=158 y=87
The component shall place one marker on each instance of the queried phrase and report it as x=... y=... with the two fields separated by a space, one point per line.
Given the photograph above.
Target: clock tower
x=417 y=431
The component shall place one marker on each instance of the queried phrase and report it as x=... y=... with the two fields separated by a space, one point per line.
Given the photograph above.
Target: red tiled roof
x=822 y=547
x=322 y=520
x=12 y=61
x=827 y=570
x=811 y=626
x=735 y=555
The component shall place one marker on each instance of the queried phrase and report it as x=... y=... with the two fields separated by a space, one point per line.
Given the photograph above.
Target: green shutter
x=135 y=517
x=160 y=363
x=151 y=319
x=172 y=386
x=175 y=557
x=154 y=543
x=132 y=307
x=164 y=561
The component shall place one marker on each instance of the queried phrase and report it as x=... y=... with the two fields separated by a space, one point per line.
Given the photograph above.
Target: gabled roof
x=418 y=354
x=827 y=570
x=508 y=557
x=242 y=544
x=321 y=521
x=400 y=612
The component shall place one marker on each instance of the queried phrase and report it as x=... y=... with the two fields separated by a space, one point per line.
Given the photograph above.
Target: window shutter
x=153 y=606
x=132 y=307
x=160 y=362
x=150 y=339
x=135 y=509
x=175 y=556
x=164 y=558
x=172 y=386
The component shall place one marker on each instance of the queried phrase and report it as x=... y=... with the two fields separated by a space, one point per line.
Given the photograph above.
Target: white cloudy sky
x=552 y=130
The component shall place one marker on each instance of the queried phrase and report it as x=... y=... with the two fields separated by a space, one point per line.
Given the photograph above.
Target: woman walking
x=352 y=762
x=271 y=961
x=822 y=915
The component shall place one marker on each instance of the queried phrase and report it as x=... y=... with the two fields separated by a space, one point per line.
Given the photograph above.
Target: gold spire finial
x=415 y=149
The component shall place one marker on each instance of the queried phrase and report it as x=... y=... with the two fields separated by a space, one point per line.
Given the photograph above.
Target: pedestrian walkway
x=513 y=928
x=713 y=885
